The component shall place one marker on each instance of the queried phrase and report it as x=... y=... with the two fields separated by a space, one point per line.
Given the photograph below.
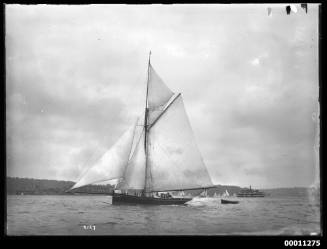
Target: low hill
x=295 y=192
x=17 y=186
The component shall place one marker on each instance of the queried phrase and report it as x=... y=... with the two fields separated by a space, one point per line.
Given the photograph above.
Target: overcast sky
x=75 y=81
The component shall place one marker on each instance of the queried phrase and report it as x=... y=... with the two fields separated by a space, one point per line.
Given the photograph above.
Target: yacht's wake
x=203 y=202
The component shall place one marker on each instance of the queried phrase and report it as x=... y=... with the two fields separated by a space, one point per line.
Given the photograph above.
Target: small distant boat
x=225 y=194
x=203 y=194
x=228 y=202
x=249 y=192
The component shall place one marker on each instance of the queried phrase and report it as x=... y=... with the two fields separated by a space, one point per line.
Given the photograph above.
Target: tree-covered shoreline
x=30 y=186
x=18 y=186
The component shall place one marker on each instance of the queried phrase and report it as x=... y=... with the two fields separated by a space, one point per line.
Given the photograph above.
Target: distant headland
x=30 y=186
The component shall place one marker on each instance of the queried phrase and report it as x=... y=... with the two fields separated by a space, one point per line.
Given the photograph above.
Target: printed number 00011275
x=302 y=243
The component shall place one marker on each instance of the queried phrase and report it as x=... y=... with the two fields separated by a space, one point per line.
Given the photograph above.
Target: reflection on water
x=77 y=215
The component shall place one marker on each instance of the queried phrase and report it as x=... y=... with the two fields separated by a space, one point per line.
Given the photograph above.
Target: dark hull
x=228 y=202
x=118 y=199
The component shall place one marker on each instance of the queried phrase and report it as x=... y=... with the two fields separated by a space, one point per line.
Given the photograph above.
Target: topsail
x=158 y=92
x=159 y=155
x=158 y=95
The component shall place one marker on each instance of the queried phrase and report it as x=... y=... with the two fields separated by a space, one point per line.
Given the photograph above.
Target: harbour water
x=94 y=215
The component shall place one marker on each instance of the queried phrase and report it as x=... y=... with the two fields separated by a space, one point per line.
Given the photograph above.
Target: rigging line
x=149 y=166
x=147 y=82
x=87 y=162
x=136 y=146
x=90 y=162
x=131 y=156
x=109 y=179
x=93 y=163
x=146 y=125
x=97 y=158
x=140 y=100
x=134 y=135
x=196 y=144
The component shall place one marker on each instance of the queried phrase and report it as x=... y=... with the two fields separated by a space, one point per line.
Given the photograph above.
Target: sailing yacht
x=225 y=194
x=203 y=194
x=158 y=153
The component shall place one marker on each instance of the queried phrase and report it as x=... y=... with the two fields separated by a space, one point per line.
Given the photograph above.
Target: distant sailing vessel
x=250 y=193
x=229 y=200
x=203 y=194
x=181 y=193
x=157 y=154
x=225 y=194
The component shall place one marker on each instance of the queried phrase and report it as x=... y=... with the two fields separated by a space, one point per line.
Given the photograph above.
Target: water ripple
x=51 y=215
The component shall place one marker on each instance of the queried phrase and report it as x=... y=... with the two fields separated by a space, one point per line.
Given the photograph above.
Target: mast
x=146 y=130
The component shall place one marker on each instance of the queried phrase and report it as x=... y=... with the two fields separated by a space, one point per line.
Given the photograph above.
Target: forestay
x=134 y=175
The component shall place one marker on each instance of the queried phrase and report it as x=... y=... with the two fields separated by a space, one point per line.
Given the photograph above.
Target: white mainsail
x=174 y=158
x=112 y=164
